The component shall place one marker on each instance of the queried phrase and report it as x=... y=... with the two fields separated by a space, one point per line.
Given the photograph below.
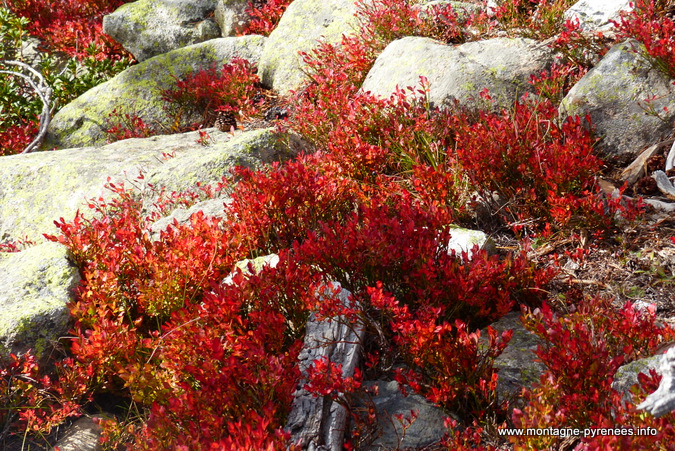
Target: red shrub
x=529 y=160
x=71 y=26
x=395 y=242
x=464 y=439
x=203 y=93
x=147 y=328
x=266 y=17
x=275 y=207
x=14 y=139
x=650 y=24
x=336 y=71
x=537 y=19
x=124 y=126
x=582 y=353
x=130 y=283
x=231 y=359
x=445 y=364
x=555 y=83
x=524 y=155
x=583 y=48
x=661 y=432
x=27 y=397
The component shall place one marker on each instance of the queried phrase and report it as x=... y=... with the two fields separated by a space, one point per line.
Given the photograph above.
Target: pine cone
x=646 y=185
x=226 y=121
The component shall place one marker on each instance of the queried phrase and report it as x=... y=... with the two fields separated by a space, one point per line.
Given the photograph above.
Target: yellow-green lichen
x=280 y=65
x=138 y=90
x=38 y=285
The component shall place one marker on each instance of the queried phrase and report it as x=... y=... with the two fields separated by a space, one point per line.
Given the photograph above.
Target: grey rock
x=462 y=9
x=212 y=208
x=251 y=149
x=231 y=16
x=613 y=93
x=30 y=52
x=148 y=28
x=596 y=15
x=427 y=428
x=38 y=188
x=138 y=91
x=37 y=285
x=501 y=65
x=517 y=364
x=300 y=28
x=627 y=375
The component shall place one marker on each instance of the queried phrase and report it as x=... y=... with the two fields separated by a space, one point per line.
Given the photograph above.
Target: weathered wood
x=662 y=401
x=664 y=184
x=83 y=435
x=670 y=158
x=318 y=423
x=636 y=169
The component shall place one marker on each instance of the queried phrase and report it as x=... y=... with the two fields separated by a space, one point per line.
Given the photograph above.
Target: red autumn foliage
x=530 y=161
x=651 y=23
x=444 y=361
x=15 y=138
x=214 y=366
x=71 y=26
x=274 y=207
x=194 y=101
x=125 y=126
x=265 y=16
x=198 y=96
x=537 y=19
x=582 y=353
x=395 y=242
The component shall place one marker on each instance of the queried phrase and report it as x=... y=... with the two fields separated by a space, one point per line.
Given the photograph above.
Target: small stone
x=464 y=240
x=83 y=435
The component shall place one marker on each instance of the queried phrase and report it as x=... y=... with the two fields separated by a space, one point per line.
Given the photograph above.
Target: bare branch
x=43 y=91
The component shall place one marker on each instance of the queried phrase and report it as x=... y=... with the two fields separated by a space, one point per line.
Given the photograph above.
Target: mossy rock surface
x=251 y=149
x=138 y=91
x=37 y=189
x=37 y=285
x=389 y=402
x=627 y=375
x=299 y=30
x=614 y=94
x=148 y=28
x=518 y=365
x=597 y=15
x=503 y=66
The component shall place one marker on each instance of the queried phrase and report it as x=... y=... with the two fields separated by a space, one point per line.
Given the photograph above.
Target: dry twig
x=36 y=81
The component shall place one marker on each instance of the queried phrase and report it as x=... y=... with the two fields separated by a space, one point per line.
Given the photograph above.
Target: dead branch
x=37 y=82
